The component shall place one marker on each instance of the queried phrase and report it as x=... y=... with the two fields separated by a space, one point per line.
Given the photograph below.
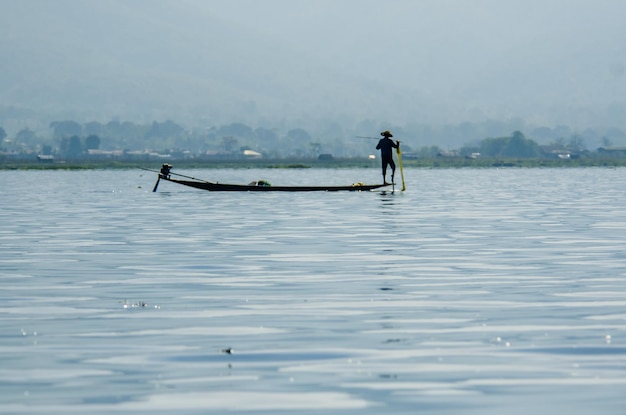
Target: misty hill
x=270 y=62
x=158 y=60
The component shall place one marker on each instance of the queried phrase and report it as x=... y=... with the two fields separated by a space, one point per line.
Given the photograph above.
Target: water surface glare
x=475 y=291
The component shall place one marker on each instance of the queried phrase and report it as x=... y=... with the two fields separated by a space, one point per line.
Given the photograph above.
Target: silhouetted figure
x=386 y=146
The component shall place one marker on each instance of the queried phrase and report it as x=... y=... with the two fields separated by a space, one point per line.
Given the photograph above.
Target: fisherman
x=386 y=146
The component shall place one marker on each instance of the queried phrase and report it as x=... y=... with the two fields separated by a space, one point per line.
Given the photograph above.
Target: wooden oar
x=400 y=165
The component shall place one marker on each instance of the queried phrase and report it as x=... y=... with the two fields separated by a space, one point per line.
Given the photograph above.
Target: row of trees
x=71 y=139
x=517 y=145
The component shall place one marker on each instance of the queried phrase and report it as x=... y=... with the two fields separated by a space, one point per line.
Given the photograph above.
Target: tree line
x=70 y=139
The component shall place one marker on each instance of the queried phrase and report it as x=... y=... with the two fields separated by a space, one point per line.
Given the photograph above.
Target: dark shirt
x=386 y=146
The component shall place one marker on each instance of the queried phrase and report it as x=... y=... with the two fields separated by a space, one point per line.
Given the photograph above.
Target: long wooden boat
x=260 y=186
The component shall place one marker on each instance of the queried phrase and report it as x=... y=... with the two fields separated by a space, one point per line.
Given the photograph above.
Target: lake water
x=496 y=291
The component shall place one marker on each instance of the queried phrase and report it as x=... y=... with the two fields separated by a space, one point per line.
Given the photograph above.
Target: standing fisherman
x=386 y=146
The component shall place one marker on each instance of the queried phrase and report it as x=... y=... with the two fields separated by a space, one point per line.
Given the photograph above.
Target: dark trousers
x=389 y=161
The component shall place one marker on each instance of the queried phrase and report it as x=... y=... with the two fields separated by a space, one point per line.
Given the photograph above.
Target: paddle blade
x=400 y=166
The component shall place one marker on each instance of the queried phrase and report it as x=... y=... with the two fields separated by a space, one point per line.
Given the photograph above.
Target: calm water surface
x=474 y=292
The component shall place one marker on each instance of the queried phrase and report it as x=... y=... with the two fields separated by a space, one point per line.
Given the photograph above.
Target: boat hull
x=224 y=187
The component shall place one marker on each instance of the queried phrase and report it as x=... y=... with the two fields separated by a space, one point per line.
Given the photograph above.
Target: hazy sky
x=546 y=61
x=504 y=56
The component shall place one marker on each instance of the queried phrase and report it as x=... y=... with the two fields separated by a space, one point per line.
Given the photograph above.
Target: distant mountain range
x=145 y=60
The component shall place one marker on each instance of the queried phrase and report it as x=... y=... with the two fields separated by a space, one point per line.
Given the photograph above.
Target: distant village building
x=252 y=154
x=613 y=151
x=45 y=158
x=449 y=154
x=104 y=154
x=556 y=152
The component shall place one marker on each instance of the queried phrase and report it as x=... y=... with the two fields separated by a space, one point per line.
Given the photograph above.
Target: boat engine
x=165 y=170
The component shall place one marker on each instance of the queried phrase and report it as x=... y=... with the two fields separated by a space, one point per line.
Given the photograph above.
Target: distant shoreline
x=433 y=163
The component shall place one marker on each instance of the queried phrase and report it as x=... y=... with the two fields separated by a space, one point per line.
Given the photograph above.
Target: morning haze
x=349 y=63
